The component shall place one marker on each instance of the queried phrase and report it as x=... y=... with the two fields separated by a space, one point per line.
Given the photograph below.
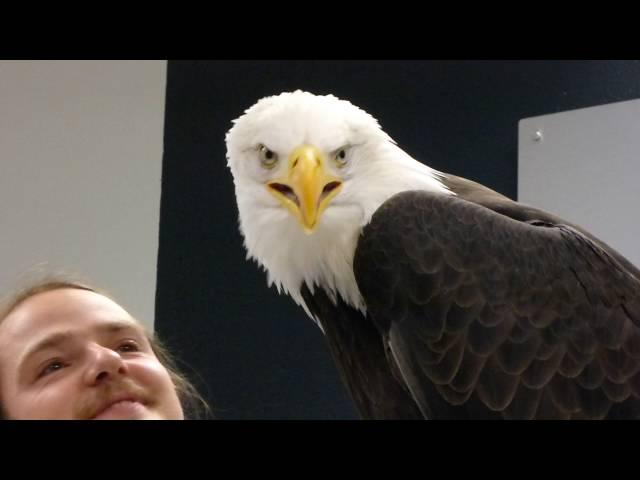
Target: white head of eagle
x=309 y=172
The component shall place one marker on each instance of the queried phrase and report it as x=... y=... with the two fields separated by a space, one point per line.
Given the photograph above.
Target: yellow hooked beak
x=308 y=188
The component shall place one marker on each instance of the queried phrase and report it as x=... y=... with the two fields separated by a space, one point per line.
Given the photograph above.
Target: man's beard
x=95 y=400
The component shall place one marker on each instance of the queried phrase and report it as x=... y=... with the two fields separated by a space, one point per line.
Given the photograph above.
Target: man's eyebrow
x=119 y=325
x=47 y=342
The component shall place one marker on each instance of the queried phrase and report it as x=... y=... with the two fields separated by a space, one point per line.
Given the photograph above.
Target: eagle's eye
x=268 y=158
x=340 y=157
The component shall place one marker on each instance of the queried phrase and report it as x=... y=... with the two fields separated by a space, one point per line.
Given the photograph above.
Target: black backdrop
x=254 y=354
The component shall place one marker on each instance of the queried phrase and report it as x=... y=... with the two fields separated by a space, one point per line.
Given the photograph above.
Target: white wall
x=80 y=170
x=586 y=169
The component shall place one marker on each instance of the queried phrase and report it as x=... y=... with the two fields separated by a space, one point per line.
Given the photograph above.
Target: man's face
x=75 y=354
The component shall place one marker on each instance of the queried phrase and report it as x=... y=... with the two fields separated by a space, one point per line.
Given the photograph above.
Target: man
x=70 y=352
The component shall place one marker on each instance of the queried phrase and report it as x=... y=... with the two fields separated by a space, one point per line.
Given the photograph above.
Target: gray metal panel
x=584 y=165
x=80 y=172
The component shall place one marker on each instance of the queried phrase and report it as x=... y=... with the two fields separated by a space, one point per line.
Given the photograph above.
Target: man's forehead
x=61 y=309
x=67 y=301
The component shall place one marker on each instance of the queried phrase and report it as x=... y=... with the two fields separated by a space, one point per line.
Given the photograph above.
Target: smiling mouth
x=125 y=409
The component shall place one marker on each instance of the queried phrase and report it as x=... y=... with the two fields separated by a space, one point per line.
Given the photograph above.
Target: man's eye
x=129 y=346
x=51 y=367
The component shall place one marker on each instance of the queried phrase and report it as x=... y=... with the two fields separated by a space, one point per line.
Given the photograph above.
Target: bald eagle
x=439 y=298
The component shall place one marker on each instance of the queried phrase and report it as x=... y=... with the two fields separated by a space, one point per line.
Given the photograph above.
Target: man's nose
x=103 y=364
